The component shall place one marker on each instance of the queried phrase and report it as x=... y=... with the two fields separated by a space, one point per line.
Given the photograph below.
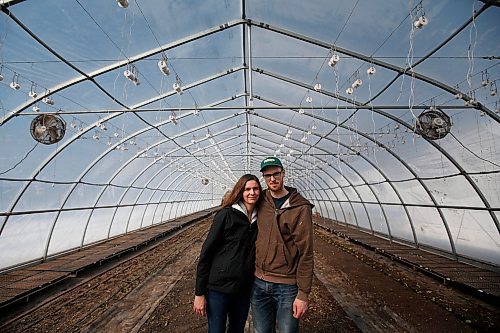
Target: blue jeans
x=271 y=303
x=222 y=307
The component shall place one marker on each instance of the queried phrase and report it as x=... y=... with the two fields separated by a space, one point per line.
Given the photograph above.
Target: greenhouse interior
x=121 y=118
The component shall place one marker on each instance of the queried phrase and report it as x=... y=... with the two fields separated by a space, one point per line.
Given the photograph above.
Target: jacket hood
x=295 y=199
x=240 y=206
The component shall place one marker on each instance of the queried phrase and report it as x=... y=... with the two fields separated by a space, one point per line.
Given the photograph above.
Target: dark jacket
x=284 y=246
x=227 y=259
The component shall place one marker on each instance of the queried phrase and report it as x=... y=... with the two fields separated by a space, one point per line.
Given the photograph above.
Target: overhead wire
x=238 y=57
x=173 y=69
x=20 y=161
x=322 y=65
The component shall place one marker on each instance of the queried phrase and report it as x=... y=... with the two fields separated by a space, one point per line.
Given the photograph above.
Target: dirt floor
x=354 y=290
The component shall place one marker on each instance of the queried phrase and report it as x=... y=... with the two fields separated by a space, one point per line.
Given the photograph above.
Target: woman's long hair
x=236 y=194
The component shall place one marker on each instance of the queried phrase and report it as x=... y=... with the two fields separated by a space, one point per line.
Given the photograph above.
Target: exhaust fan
x=433 y=124
x=48 y=129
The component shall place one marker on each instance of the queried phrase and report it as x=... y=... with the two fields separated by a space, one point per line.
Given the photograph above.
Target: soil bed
x=354 y=290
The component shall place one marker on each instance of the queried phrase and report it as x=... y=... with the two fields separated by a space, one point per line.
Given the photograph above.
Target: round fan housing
x=48 y=129
x=433 y=124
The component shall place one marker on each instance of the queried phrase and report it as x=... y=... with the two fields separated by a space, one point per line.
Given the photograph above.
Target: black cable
x=470 y=151
x=111 y=40
x=232 y=57
x=21 y=161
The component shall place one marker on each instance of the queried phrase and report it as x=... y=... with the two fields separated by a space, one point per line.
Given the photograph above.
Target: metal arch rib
x=90 y=76
x=398 y=69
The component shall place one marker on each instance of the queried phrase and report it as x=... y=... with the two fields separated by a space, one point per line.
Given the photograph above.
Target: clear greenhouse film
x=117 y=118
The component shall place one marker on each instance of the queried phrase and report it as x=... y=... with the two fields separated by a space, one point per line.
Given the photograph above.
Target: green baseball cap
x=270 y=161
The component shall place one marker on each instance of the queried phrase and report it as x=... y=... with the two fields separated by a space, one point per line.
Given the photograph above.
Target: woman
x=227 y=261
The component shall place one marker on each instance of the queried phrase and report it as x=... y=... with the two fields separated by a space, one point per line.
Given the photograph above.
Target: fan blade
x=52 y=131
x=51 y=121
x=40 y=131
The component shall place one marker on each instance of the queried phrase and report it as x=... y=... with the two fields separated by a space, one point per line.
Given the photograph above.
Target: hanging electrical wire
x=21 y=160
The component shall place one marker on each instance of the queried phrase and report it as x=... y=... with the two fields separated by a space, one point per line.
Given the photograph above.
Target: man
x=284 y=254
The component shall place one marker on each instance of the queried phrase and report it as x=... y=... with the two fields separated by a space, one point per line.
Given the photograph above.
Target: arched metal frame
x=248 y=70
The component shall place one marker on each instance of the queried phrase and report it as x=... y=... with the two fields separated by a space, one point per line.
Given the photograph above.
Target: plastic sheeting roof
x=255 y=82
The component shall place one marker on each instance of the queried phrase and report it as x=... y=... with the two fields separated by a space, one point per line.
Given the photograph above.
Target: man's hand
x=299 y=308
x=200 y=305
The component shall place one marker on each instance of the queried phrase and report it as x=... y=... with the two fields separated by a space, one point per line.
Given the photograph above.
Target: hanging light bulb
x=116 y=134
x=349 y=91
x=357 y=83
x=314 y=127
x=177 y=87
x=103 y=127
x=132 y=142
x=371 y=70
x=36 y=108
x=317 y=86
x=122 y=3
x=95 y=136
x=47 y=100
x=15 y=82
x=196 y=111
x=173 y=119
x=421 y=22
x=333 y=60
x=1 y=76
x=109 y=142
x=485 y=80
x=301 y=111
x=73 y=123
x=493 y=89
x=32 y=92
x=309 y=99
x=129 y=74
x=163 y=66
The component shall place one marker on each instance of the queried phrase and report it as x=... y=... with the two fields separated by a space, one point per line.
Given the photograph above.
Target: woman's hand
x=200 y=305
